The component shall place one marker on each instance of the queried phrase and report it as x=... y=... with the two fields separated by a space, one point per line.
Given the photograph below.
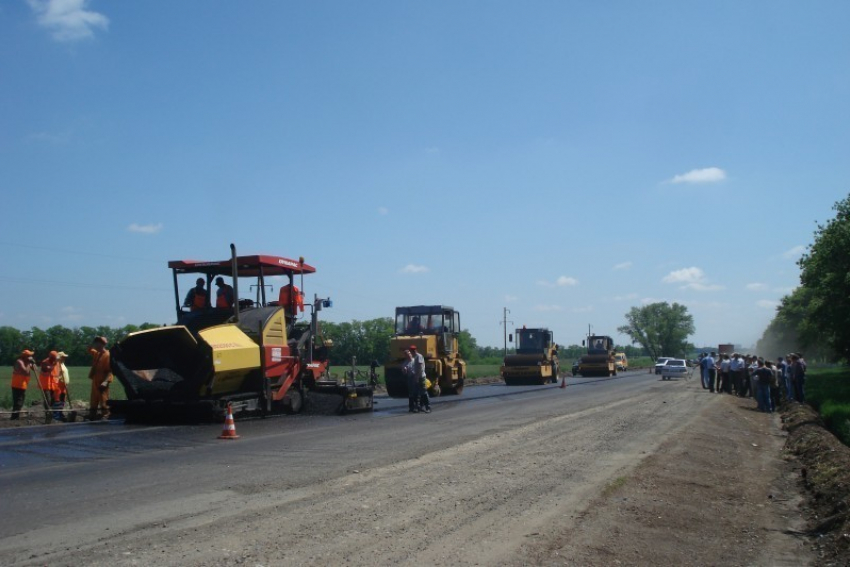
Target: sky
x=564 y=160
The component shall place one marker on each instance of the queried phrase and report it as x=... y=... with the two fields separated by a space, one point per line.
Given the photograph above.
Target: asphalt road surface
x=109 y=493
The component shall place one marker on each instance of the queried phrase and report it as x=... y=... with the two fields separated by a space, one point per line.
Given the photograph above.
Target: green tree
x=660 y=328
x=825 y=273
x=467 y=345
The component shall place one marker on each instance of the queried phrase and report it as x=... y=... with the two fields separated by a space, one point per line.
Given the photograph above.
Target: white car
x=674 y=368
x=659 y=364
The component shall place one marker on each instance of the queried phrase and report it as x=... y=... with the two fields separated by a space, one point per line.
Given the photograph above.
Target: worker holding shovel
x=47 y=380
x=20 y=380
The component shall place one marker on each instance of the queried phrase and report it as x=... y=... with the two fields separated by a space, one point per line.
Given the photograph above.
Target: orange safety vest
x=224 y=297
x=199 y=301
x=284 y=298
x=20 y=375
x=100 y=367
x=47 y=376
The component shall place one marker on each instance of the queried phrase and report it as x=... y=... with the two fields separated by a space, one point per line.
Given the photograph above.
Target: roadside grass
x=613 y=486
x=828 y=390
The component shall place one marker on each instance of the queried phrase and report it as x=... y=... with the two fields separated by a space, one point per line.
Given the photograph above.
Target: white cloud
x=565 y=281
x=685 y=275
x=767 y=304
x=627 y=297
x=692 y=278
x=145 y=228
x=623 y=266
x=699 y=286
x=414 y=269
x=756 y=286
x=548 y=308
x=794 y=253
x=383 y=211
x=707 y=175
x=511 y=298
x=68 y=19
x=586 y=309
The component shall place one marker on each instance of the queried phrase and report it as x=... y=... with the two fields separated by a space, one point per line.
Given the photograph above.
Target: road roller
x=535 y=360
x=434 y=330
x=600 y=359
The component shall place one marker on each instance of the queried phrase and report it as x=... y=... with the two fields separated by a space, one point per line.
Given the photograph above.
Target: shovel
x=48 y=414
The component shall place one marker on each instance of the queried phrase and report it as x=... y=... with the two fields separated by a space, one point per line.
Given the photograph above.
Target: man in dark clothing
x=196 y=299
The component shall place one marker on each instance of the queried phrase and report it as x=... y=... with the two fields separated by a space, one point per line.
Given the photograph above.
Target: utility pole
x=504 y=323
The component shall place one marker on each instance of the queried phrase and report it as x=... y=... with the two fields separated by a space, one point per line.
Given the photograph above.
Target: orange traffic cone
x=563 y=382
x=229 y=431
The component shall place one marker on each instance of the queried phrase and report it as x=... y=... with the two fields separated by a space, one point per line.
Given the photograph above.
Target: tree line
x=813 y=318
x=364 y=341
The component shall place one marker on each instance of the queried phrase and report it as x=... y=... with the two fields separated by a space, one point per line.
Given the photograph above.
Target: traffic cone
x=229 y=431
x=563 y=382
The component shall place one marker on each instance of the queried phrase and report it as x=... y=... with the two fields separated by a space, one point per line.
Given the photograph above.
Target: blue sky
x=567 y=160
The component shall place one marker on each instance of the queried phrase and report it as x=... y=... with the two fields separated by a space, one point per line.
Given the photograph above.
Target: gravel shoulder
x=672 y=475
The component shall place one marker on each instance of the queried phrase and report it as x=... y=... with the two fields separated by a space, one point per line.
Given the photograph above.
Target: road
x=470 y=482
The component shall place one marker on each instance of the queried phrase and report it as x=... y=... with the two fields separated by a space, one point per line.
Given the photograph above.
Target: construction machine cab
x=532 y=341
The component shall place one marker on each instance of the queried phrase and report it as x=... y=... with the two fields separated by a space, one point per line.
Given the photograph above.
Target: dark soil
x=825 y=474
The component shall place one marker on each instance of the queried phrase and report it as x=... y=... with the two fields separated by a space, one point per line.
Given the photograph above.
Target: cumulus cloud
x=794 y=253
x=627 y=297
x=756 y=286
x=383 y=211
x=145 y=228
x=767 y=304
x=685 y=275
x=707 y=175
x=623 y=266
x=68 y=20
x=691 y=278
x=548 y=308
x=414 y=269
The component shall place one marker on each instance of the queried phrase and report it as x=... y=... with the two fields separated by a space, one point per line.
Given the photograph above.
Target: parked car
x=674 y=368
x=659 y=364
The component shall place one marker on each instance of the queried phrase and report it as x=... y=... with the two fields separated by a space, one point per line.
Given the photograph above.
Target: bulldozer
x=257 y=355
x=433 y=329
x=535 y=360
x=600 y=359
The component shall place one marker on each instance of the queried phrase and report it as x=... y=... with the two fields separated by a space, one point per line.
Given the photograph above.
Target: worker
x=47 y=379
x=63 y=378
x=196 y=299
x=21 y=370
x=224 y=294
x=422 y=402
x=101 y=377
x=414 y=326
x=285 y=298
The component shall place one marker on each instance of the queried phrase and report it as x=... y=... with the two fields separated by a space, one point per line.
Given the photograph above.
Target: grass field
x=828 y=390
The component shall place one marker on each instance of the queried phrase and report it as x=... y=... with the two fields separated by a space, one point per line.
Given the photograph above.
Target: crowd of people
x=53 y=381
x=767 y=381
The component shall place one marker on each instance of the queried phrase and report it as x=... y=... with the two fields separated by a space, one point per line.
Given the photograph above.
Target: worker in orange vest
x=21 y=370
x=47 y=379
x=196 y=299
x=285 y=299
x=224 y=295
x=101 y=377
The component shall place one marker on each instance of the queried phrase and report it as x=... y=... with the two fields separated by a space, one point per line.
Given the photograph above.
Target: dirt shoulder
x=717 y=493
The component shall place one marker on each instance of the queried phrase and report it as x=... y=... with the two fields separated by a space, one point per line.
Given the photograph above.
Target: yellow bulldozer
x=434 y=330
x=535 y=360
